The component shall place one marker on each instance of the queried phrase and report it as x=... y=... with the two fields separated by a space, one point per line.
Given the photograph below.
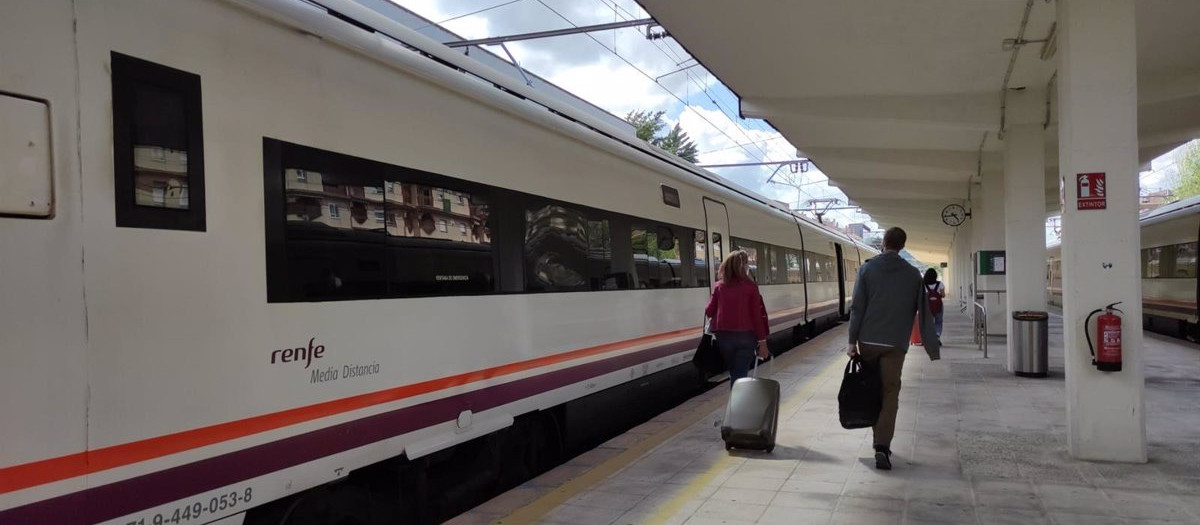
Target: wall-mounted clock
x=954 y=215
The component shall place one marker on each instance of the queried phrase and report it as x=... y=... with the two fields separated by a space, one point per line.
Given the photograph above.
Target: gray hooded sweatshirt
x=889 y=294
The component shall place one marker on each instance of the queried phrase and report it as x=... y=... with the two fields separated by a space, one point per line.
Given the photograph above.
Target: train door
x=841 y=277
x=716 y=226
x=800 y=257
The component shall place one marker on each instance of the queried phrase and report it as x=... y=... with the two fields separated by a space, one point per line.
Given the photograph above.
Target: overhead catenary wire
x=464 y=15
x=745 y=147
x=668 y=52
x=651 y=78
x=760 y=125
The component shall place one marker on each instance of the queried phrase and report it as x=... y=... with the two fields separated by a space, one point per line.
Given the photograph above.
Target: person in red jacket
x=739 y=319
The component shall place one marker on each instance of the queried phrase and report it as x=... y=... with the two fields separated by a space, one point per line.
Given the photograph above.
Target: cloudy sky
x=621 y=71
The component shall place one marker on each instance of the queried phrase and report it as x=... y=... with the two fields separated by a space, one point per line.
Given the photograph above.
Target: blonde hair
x=736 y=266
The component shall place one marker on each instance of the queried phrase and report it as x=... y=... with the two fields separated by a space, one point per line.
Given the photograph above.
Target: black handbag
x=861 y=397
x=707 y=358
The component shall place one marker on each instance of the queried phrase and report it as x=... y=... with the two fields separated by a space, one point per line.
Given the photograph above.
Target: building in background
x=858 y=230
x=1155 y=199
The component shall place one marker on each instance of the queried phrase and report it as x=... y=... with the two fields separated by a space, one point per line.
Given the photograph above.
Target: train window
x=425 y=255
x=752 y=252
x=345 y=228
x=795 y=275
x=700 y=259
x=1152 y=263
x=718 y=253
x=656 y=257
x=1185 y=260
x=565 y=250
x=772 y=264
x=820 y=267
x=334 y=248
x=158 y=146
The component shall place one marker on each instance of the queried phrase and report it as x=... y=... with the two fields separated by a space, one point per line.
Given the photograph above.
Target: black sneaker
x=883 y=460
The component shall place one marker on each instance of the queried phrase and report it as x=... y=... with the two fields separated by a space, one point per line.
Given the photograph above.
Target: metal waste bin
x=1030 y=340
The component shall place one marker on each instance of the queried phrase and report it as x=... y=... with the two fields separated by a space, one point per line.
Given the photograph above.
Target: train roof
x=1186 y=206
x=1183 y=207
x=374 y=34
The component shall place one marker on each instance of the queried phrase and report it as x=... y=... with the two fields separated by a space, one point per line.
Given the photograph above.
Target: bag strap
x=854 y=365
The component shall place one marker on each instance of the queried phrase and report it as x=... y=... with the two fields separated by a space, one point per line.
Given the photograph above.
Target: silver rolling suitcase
x=753 y=413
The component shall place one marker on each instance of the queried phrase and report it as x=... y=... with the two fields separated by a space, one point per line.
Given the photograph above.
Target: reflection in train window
x=795 y=275
x=1152 y=263
x=439 y=240
x=330 y=254
x=718 y=255
x=771 y=265
x=820 y=267
x=751 y=249
x=1185 y=260
x=700 y=261
x=565 y=250
x=158 y=146
x=656 y=258
x=1176 y=261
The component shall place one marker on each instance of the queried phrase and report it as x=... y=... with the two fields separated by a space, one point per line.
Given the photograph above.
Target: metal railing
x=981 y=337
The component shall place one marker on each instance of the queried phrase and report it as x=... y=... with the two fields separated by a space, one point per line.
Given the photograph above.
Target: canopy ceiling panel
x=879 y=93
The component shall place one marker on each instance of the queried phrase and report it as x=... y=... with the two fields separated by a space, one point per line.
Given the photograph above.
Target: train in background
x=1168 y=266
x=286 y=261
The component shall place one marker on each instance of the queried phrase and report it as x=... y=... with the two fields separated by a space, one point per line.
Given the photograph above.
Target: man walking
x=888 y=295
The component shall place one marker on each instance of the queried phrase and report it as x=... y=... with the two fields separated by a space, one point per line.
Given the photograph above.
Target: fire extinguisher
x=1108 y=334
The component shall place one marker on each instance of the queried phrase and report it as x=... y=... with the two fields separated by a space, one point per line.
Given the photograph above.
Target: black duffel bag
x=707 y=358
x=861 y=396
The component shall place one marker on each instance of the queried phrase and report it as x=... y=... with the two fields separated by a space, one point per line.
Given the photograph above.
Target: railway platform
x=974 y=444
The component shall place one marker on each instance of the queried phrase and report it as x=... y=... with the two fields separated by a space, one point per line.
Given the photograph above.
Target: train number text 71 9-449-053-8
x=197 y=509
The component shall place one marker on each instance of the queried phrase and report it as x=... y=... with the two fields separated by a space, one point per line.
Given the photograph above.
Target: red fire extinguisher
x=1108 y=334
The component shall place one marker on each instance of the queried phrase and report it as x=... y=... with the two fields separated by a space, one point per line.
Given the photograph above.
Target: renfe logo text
x=288 y=355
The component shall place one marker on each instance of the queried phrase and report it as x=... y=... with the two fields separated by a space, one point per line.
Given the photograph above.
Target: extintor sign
x=1091 y=191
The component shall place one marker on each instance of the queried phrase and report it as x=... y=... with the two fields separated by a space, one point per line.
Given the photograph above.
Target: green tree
x=1187 y=161
x=678 y=142
x=648 y=125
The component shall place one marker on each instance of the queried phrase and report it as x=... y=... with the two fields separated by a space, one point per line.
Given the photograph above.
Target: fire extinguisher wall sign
x=1091 y=191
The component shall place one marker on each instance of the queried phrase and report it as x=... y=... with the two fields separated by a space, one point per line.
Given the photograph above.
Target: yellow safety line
x=534 y=510
x=667 y=510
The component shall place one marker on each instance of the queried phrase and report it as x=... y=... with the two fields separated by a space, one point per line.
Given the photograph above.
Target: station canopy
x=899 y=102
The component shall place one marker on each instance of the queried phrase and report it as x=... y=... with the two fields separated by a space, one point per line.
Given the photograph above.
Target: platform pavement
x=974 y=444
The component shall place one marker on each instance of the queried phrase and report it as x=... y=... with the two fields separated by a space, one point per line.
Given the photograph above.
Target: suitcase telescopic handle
x=754 y=371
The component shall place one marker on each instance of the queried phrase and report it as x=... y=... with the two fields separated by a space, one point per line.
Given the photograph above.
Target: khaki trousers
x=890 y=361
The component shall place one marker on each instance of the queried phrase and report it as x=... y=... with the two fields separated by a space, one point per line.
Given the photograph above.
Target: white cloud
x=579 y=64
x=615 y=87
x=721 y=142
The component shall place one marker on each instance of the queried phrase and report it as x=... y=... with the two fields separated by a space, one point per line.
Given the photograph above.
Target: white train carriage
x=254 y=247
x=1169 y=287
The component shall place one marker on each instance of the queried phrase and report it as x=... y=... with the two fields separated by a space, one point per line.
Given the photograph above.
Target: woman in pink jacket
x=739 y=319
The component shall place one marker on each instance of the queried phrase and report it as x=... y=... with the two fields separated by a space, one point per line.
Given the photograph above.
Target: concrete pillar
x=1024 y=208
x=1097 y=93
x=989 y=235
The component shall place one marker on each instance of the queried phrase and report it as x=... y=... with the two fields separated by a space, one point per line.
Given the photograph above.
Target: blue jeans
x=738 y=350
x=937 y=322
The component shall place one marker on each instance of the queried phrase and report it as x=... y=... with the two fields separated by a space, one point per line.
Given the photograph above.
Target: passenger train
x=276 y=261
x=1168 y=266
